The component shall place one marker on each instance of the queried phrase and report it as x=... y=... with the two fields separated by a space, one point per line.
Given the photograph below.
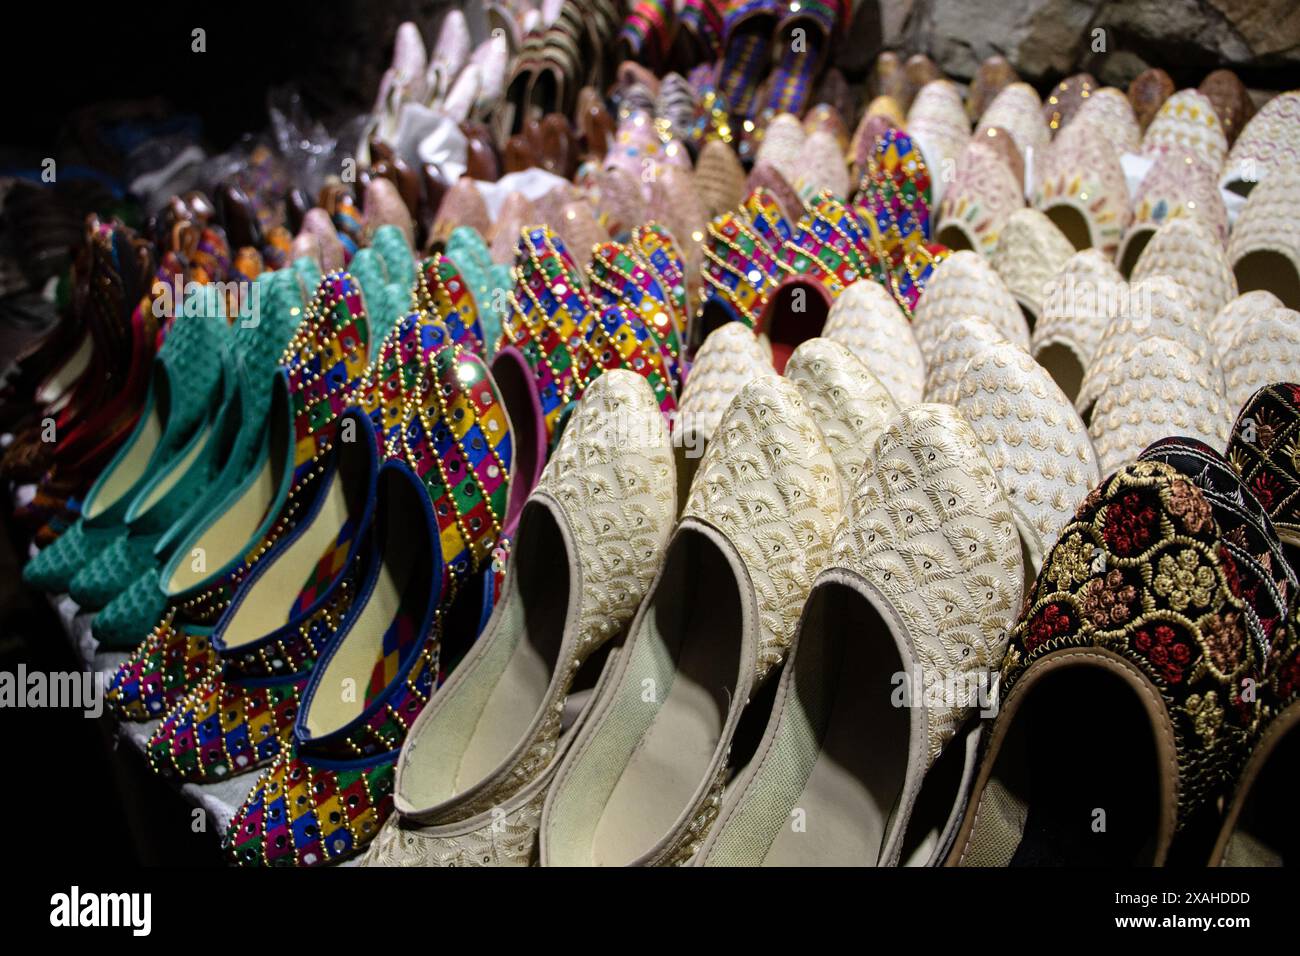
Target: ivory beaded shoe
x=1265 y=350
x=1233 y=317
x=964 y=284
x=1110 y=114
x=1019 y=111
x=641 y=783
x=1162 y=388
x=590 y=541
x=1078 y=304
x=1033 y=438
x=866 y=319
x=1029 y=254
x=1265 y=245
x=868 y=745
x=1187 y=252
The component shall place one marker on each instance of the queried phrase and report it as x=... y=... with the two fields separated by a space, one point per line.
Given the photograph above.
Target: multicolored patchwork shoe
x=617 y=338
x=894 y=197
x=659 y=252
x=441 y=290
x=419 y=603
x=1136 y=602
x=748 y=27
x=814 y=22
x=741 y=270
x=618 y=277
x=320 y=372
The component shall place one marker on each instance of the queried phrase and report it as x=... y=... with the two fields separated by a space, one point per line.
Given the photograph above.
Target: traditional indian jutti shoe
x=1264 y=249
x=1018 y=110
x=642 y=782
x=1078 y=304
x=1186 y=123
x=1079 y=184
x=1176 y=185
x=1269 y=142
x=957 y=346
x=1263 y=450
x=1110 y=114
x=965 y=284
x=1186 y=251
x=589 y=544
x=186 y=374
x=1265 y=350
x=419 y=604
x=1033 y=438
x=1256 y=828
x=803 y=37
x=849 y=404
x=938 y=123
x=747 y=41
x=977 y=204
x=321 y=370
x=730 y=358
x=867 y=320
x=741 y=270
x=241 y=716
x=924 y=579
x=618 y=277
x=1030 y=253
x=1137 y=605
x=895 y=197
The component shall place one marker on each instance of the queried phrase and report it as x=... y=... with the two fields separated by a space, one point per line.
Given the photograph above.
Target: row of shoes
x=503 y=553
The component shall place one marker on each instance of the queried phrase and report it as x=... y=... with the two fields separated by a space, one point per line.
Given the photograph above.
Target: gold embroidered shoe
x=1078 y=305
x=1161 y=388
x=642 y=782
x=867 y=320
x=964 y=284
x=869 y=742
x=1079 y=184
x=1264 y=350
x=1157 y=306
x=1187 y=252
x=1237 y=314
x=848 y=403
x=1137 y=606
x=1034 y=440
x=1265 y=245
x=730 y=358
x=1111 y=115
x=589 y=543
x=1029 y=254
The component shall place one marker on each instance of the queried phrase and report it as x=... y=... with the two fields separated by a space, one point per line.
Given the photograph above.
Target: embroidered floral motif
x=1206 y=714
x=1161 y=646
x=1131 y=523
x=1184 y=580
x=1190 y=505
x=1051 y=622
x=1071 y=562
x=1223 y=637
x=1108 y=602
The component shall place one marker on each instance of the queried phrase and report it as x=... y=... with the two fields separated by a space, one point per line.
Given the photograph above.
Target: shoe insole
x=385 y=631
x=844 y=690
x=231 y=534
x=130 y=468
x=1266 y=834
x=175 y=471
x=58 y=386
x=697 y=624
x=535 y=630
x=1074 y=784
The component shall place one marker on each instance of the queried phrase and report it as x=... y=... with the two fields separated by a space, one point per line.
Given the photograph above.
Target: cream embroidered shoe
x=1187 y=124
x=1265 y=245
x=642 y=783
x=961 y=341
x=1177 y=185
x=590 y=540
x=1078 y=305
x=937 y=121
x=1186 y=251
x=1033 y=438
x=1111 y=115
x=848 y=403
x=1264 y=350
x=866 y=319
x=1158 y=306
x=1079 y=184
x=983 y=195
x=965 y=284
x=1237 y=314
x=1269 y=143
x=1161 y=388
x=869 y=748
x=1018 y=110
x=1029 y=254
x=730 y=357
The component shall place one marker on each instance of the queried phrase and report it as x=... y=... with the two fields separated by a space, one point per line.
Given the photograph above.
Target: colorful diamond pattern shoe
x=320 y=371
x=326 y=796
x=1265 y=450
x=832 y=246
x=617 y=338
x=894 y=196
x=740 y=271
x=1136 y=601
x=441 y=290
x=618 y=277
x=658 y=251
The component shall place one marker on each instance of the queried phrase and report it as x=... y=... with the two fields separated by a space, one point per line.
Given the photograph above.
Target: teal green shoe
x=169 y=508
x=488 y=282
x=368 y=268
x=389 y=242
x=184 y=385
